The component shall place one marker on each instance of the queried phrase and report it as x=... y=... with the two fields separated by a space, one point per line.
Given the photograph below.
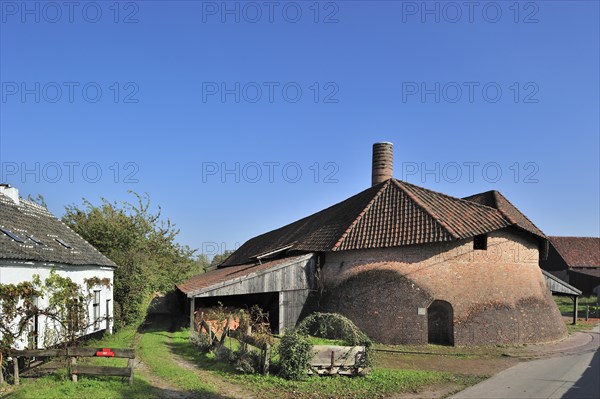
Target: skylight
x=12 y=235
x=64 y=244
x=38 y=242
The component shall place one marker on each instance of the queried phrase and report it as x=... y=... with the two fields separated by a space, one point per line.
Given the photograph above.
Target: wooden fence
x=80 y=369
x=214 y=339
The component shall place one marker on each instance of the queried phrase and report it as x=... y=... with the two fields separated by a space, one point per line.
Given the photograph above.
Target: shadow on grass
x=204 y=361
x=163 y=326
x=59 y=386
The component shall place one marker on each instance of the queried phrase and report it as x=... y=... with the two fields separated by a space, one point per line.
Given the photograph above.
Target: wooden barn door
x=440 y=323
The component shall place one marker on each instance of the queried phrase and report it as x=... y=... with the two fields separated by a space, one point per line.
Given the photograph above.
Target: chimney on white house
x=383 y=162
x=10 y=192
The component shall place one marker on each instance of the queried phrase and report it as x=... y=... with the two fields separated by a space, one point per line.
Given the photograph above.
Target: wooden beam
x=192 y=319
x=72 y=367
x=575 y=309
x=225 y=331
x=266 y=360
x=37 y=353
x=16 y=370
x=281 y=327
x=102 y=370
x=91 y=352
x=130 y=366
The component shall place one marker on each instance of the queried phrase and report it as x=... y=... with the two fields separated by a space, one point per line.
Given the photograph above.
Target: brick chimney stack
x=383 y=162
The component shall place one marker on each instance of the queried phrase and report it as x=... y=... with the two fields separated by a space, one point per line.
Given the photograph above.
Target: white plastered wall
x=14 y=272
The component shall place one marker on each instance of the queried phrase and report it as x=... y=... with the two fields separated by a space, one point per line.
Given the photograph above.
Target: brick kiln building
x=408 y=265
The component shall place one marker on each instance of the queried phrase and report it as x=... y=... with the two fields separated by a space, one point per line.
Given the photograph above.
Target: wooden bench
x=343 y=360
x=78 y=369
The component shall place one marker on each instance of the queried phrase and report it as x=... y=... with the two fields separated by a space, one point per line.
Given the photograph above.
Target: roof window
x=64 y=244
x=12 y=235
x=32 y=238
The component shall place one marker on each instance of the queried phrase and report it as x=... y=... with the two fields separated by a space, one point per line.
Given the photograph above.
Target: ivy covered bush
x=336 y=326
x=333 y=326
x=295 y=354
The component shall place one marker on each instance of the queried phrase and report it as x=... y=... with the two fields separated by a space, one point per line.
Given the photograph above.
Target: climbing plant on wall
x=57 y=300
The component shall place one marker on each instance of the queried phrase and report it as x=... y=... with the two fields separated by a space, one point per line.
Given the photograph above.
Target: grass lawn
x=565 y=304
x=381 y=382
x=171 y=362
x=59 y=385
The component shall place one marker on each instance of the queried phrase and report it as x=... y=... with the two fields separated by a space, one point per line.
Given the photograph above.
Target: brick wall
x=498 y=295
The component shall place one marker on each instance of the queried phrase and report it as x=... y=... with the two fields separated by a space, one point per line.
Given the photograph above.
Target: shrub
x=295 y=353
x=224 y=354
x=247 y=362
x=200 y=341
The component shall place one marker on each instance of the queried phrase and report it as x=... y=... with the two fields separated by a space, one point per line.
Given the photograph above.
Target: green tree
x=140 y=243
x=202 y=263
x=217 y=259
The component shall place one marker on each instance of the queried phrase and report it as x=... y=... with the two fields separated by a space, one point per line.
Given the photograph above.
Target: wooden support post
x=575 y=309
x=225 y=331
x=209 y=331
x=1 y=370
x=332 y=362
x=130 y=365
x=16 y=369
x=587 y=312
x=73 y=364
x=192 y=318
x=266 y=360
x=282 y=326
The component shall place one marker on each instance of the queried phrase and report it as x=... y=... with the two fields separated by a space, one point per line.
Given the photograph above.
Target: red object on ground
x=105 y=352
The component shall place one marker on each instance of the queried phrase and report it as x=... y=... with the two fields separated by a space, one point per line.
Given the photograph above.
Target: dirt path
x=165 y=389
x=224 y=387
x=432 y=392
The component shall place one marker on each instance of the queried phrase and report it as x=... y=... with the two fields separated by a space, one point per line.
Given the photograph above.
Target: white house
x=33 y=241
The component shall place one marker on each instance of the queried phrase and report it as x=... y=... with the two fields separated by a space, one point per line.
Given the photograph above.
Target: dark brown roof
x=392 y=213
x=30 y=219
x=578 y=251
x=221 y=275
x=588 y=271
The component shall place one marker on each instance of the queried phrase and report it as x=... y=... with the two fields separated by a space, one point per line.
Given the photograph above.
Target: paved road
x=574 y=376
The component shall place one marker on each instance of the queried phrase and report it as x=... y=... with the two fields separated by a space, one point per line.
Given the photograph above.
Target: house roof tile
x=30 y=219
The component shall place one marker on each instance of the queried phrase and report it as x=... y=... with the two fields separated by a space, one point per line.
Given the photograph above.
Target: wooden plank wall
x=297 y=276
x=291 y=304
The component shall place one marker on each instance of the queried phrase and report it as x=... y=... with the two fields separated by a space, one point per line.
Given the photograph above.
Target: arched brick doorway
x=440 y=323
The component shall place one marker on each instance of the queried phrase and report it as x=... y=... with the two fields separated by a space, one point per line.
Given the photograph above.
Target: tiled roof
x=392 y=213
x=30 y=219
x=221 y=275
x=496 y=200
x=578 y=251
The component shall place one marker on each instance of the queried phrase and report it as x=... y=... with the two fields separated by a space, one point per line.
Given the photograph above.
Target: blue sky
x=240 y=117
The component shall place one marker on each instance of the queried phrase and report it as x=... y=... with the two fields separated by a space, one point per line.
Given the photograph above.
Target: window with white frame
x=96 y=309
